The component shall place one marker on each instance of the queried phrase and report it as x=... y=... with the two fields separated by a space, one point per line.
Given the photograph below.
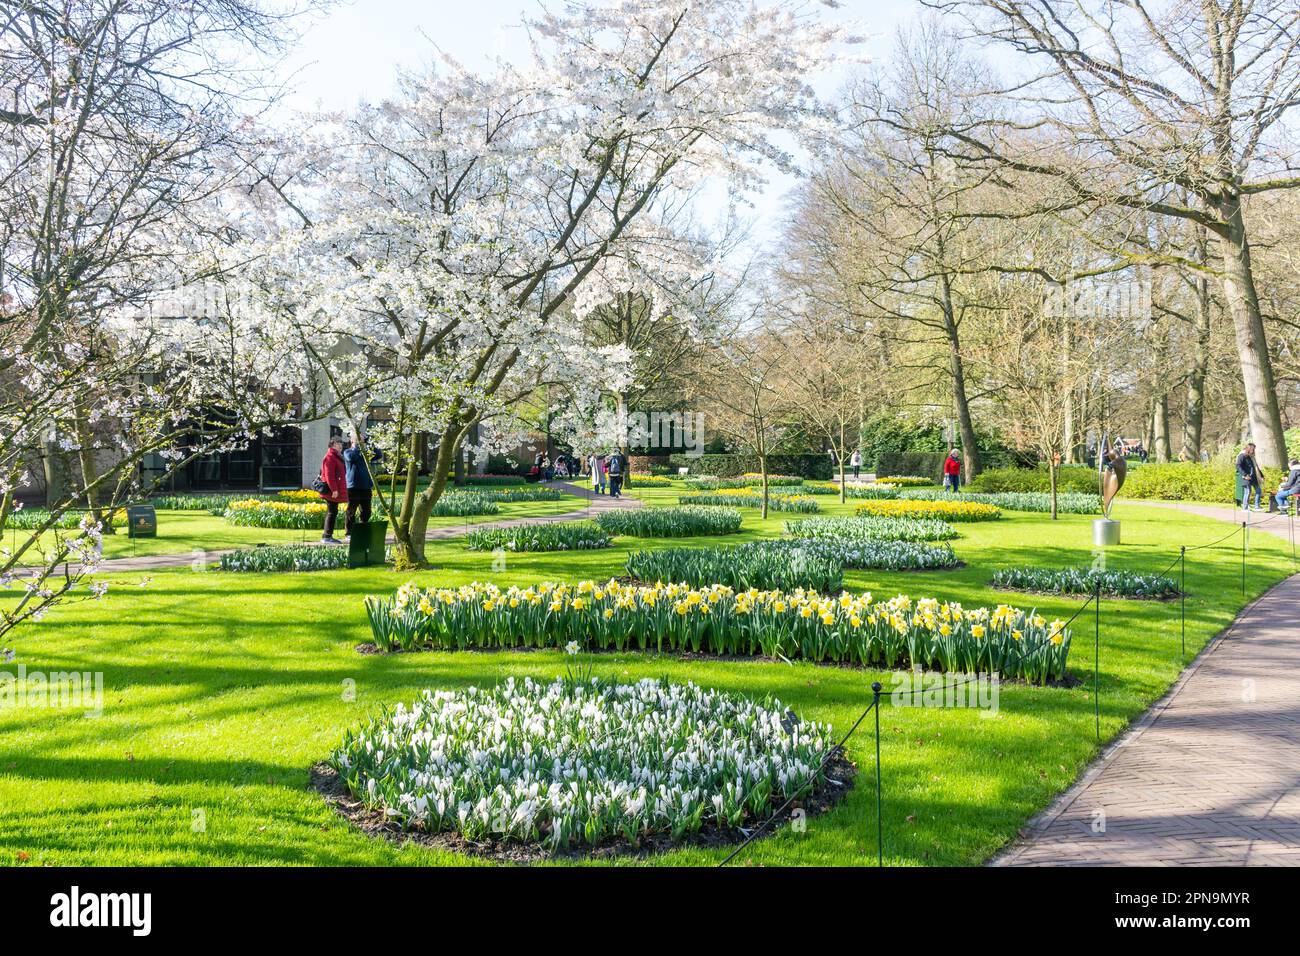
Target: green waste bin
x=142 y=521
x=366 y=543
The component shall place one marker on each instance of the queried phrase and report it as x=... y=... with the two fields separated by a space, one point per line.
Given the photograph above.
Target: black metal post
x=880 y=827
x=1182 y=593
x=1244 y=532
x=1096 y=657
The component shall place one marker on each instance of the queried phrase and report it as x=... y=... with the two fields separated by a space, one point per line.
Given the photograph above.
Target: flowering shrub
x=719 y=620
x=255 y=513
x=557 y=536
x=570 y=762
x=1072 y=503
x=941 y=510
x=856 y=530
x=799 y=504
x=784 y=563
x=682 y=522
x=285 y=558
x=1084 y=580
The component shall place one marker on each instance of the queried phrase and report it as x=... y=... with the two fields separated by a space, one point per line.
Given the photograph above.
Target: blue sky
x=351 y=53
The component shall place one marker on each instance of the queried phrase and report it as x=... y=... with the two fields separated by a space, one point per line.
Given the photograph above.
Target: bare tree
x=1194 y=96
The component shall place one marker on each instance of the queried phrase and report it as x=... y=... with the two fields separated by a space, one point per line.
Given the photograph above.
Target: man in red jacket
x=334 y=473
x=951 y=471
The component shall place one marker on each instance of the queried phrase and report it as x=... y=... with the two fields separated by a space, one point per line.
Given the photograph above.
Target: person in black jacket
x=1248 y=469
x=361 y=485
x=1289 y=487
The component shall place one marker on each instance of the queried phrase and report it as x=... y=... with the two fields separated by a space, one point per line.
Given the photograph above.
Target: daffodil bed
x=939 y=510
x=257 y=513
x=582 y=764
x=851 y=629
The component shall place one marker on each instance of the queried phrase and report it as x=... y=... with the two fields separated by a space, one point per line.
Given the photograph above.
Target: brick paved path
x=594 y=506
x=1211 y=774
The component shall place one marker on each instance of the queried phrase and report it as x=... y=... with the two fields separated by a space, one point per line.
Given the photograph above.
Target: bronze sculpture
x=1112 y=469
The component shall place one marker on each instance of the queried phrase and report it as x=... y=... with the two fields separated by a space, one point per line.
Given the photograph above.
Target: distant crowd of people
x=606 y=470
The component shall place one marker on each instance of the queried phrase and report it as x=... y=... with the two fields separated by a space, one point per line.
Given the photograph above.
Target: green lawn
x=182 y=532
x=222 y=689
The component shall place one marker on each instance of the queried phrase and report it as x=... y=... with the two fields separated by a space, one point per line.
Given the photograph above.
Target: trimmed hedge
x=816 y=467
x=1189 y=481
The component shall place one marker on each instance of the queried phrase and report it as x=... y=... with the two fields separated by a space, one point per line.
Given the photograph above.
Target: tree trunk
x=1194 y=414
x=969 y=445
x=1242 y=301
x=1051 y=477
x=1160 y=429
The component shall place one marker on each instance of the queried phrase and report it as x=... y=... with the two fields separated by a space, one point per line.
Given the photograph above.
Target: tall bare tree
x=1149 y=95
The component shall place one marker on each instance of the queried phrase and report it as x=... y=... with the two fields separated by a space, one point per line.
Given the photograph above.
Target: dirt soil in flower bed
x=369 y=647
x=326 y=781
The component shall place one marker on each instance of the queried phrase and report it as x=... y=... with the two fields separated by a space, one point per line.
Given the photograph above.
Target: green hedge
x=1073 y=478
x=816 y=467
x=1189 y=481
x=921 y=464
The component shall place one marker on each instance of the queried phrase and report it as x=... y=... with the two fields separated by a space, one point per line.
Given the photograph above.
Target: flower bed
x=797 y=504
x=939 y=510
x=29 y=519
x=899 y=632
x=214 y=504
x=872 y=492
x=505 y=494
x=681 y=522
x=459 y=504
x=286 y=558
x=1128 y=584
x=855 y=530
x=298 y=494
x=711 y=483
x=765 y=565
x=905 y=481
x=784 y=563
x=650 y=481
x=584 y=763
x=255 y=513
x=1071 y=503
x=557 y=536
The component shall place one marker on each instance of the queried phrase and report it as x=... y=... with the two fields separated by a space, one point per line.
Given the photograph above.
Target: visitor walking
x=361 y=485
x=951 y=471
x=1248 y=471
x=1289 y=487
x=597 y=463
x=332 y=485
x=855 y=463
x=617 y=466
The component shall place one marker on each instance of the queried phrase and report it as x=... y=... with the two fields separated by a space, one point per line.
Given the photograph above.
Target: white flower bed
x=583 y=763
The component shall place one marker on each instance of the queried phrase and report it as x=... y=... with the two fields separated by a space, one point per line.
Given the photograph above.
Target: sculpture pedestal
x=1105 y=533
